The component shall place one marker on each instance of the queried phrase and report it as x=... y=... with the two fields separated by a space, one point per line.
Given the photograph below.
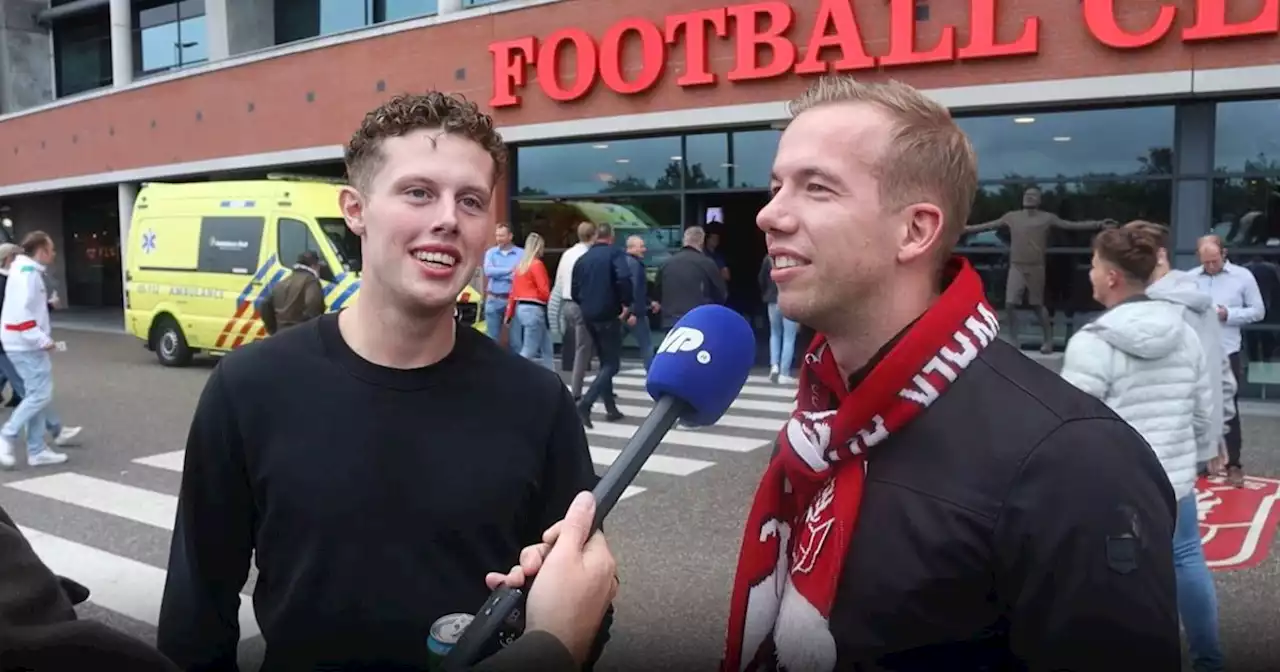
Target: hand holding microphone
x=698 y=371
x=577 y=580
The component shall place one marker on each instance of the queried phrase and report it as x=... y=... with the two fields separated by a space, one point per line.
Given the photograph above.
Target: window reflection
x=707 y=161
x=1247 y=137
x=656 y=219
x=395 y=10
x=170 y=36
x=339 y=15
x=607 y=166
x=753 y=153
x=1132 y=141
x=1246 y=211
x=1067 y=257
x=82 y=53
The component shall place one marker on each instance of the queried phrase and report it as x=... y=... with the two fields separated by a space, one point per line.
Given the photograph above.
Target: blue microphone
x=698 y=371
x=704 y=361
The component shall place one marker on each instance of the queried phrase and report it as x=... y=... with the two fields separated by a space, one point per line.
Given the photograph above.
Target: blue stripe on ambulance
x=266 y=289
x=334 y=285
x=345 y=295
x=257 y=277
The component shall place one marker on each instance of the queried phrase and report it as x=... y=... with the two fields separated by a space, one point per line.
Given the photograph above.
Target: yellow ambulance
x=202 y=256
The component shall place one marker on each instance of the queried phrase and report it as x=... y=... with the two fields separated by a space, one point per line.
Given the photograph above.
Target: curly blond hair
x=405 y=113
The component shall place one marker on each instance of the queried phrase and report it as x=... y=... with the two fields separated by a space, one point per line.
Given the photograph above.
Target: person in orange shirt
x=527 y=303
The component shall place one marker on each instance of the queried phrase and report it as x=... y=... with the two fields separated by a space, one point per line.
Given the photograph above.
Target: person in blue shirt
x=499 y=263
x=640 y=299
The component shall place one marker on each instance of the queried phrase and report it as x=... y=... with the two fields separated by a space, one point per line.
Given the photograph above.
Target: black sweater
x=376 y=499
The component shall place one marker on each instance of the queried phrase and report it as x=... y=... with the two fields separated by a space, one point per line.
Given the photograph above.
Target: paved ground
x=105 y=517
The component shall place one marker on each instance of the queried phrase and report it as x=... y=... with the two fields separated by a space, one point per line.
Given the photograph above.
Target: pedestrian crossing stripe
x=779 y=391
x=116 y=583
x=771 y=425
x=755 y=378
x=739 y=404
x=114 y=499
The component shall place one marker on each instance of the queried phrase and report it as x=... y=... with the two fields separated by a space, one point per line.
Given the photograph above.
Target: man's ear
x=351 y=202
x=922 y=231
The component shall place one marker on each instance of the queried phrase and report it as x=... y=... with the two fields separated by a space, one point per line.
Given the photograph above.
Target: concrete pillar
x=250 y=25
x=217 y=40
x=448 y=6
x=26 y=56
x=121 y=43
x=126 y=193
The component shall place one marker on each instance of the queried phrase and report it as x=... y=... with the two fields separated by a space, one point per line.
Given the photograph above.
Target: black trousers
x=1233 y=427
x=607 y=336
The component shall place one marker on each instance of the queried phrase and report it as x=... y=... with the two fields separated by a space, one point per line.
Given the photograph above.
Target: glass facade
x=168 y=35
x=302 y=19
x=82 y=53
x=1200 y=167
x=1088 y=165
x=1245 y=213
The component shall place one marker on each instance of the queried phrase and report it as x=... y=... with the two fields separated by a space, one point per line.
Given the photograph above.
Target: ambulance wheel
x=169 y=343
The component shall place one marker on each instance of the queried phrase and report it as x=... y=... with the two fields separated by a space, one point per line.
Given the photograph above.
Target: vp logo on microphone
x=685 y=339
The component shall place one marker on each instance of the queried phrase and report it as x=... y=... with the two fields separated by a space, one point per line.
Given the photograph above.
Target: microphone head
x=704 y=361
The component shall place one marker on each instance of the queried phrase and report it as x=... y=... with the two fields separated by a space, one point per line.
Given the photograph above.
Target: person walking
x=689 y=278
x=642 y=331
x=62 y=435
x=1237 y=302
x=570 y=312
x=782 y=331
x=602 y=288
x=527 y=306
x=297 y=298
x=1145 y=361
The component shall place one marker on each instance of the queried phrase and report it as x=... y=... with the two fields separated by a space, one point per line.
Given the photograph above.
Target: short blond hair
x=929 y=159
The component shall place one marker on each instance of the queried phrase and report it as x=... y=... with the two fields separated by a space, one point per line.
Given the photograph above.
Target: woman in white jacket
x=1144 y=360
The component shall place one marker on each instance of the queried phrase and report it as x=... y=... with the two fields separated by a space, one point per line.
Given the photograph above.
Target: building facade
x=655 y=116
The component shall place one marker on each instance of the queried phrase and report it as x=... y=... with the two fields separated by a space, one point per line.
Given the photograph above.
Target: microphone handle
x=504 y=603
x=666 y=412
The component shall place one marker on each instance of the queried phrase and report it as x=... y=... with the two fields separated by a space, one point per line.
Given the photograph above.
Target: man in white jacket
x=25 y=333
x=1146 y=362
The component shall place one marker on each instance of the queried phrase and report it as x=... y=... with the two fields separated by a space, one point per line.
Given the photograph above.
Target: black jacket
x=768 y=288
x=601 y=283
x=687 y=280
x=1017 y=524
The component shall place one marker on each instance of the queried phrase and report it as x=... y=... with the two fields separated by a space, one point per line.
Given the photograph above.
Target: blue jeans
x=36 y=372
x=531 y=322
x=495 y=311
x=644 y=339
x=1197 y=597
x=7 y=372
x=782 y=340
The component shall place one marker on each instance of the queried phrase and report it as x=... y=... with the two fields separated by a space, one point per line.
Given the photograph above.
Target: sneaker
x=45 y=458
x=1235 y=477
x=6 y=452
x=787 y=380
x=67 y=436
x=773 y=375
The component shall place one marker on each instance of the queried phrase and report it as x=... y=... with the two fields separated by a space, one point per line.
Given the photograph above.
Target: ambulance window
x=294 y=238
x=230 y=245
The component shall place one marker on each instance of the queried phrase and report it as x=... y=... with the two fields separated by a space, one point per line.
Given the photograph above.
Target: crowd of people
x=937 y=500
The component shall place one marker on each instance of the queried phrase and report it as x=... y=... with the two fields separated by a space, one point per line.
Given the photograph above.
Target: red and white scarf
x=806 y=507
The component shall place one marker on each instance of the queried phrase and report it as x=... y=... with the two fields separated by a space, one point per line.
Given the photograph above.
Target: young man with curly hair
x=374 y=463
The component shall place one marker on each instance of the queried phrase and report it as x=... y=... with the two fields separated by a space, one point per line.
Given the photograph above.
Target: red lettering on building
x=836 y=27
x=1211 y=22
x=511 y=61
x=902 y=38
x=1100 y=17
x=750 y=36
x=982 y=34
x=697 y=69
x=549 y=64
x=763 y=34
x=652 y=48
